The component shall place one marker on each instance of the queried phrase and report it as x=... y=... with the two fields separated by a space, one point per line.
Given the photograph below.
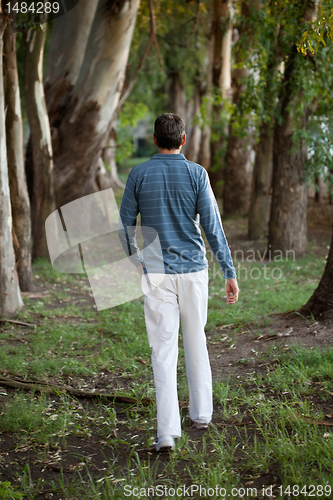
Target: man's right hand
x=232 y=290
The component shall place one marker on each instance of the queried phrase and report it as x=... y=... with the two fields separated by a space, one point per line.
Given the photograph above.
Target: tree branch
x=128 y=86
x=45 y=388
x=194 y=30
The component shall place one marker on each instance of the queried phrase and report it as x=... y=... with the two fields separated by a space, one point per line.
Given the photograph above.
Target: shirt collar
x=178 y=156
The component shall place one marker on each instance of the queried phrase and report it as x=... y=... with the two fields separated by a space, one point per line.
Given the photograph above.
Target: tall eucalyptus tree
x=82 y=104
x=15 y=153
x=10 y=296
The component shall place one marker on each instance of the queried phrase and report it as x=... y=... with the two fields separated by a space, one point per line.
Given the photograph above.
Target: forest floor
x=273 y=389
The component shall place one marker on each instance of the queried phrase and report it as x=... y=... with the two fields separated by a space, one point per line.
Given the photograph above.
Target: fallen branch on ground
x=42 y=387
x=266 y=338
x=309 y=420
x=17 y=322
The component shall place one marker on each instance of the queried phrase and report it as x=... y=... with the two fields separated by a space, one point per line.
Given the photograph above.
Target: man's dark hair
x=169 y=131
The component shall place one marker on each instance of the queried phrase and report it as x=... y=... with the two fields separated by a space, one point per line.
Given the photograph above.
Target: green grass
x=258 y=426
x=61 y=346
x=227 y=456
x=7 y=492
x=260 y=293
x=43 y=420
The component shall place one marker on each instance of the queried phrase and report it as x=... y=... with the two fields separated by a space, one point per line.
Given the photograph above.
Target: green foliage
x=219 y=126
x=278 y=74
x=321 y=30
x=320 y=161
x=128 y=118
x=181 y=34
x=7 y=492
x=315 y=81
x=182 y=48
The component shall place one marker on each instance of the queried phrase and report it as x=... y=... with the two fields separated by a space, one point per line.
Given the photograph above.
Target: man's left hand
x=232 y=290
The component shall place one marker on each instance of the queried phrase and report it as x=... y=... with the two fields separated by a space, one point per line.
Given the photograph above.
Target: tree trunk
x=176 y=91
x=83 y=131
x=287 y=227
x=194 y=137
x=262 y=173
x=204 y=157
x=109 y=157
x=259 y=207
x=221 y=81
x=317 y=189
x=10 y=295
x=15 y=153
x=70 y=34
x=320 y=303
x=330 y=190
x=238 y=162
x=43 y=192
x=237 y=175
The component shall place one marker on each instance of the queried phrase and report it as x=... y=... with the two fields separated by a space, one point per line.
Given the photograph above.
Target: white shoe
x=165 y=443
x=199 y=426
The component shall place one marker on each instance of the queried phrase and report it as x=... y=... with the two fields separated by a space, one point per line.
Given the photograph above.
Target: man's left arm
x=211 y=223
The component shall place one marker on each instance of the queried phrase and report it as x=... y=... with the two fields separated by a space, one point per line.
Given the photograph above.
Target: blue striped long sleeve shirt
x=174 y=196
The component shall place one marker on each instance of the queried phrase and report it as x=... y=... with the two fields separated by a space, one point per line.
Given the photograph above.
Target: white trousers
x=185 y=296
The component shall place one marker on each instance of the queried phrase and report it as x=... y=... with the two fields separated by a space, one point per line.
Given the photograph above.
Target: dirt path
x=239 y=354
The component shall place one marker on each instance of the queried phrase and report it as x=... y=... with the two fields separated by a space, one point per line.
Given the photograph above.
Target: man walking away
x=174 y=196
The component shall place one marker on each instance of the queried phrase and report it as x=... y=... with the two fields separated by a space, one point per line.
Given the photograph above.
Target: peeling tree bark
x=109 y=157
x=69 y=40
x=17 y=182
x=43 y=192
x=82 y=133
x=110 y=178
x=10 y=295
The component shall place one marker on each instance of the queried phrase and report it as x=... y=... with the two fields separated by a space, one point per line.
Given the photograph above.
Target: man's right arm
x=127 y=224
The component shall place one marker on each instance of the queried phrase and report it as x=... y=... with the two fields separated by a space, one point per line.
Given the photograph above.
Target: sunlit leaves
x=321 y=30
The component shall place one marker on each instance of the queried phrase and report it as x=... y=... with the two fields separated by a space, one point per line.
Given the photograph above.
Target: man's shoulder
x=195 y=166
x=197 y=171
x=142 y=166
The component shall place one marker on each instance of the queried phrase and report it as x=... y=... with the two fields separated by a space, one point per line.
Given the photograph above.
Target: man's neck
x=168 y=151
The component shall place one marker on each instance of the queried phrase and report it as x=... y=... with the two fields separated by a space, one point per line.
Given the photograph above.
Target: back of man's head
x=169 y=131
